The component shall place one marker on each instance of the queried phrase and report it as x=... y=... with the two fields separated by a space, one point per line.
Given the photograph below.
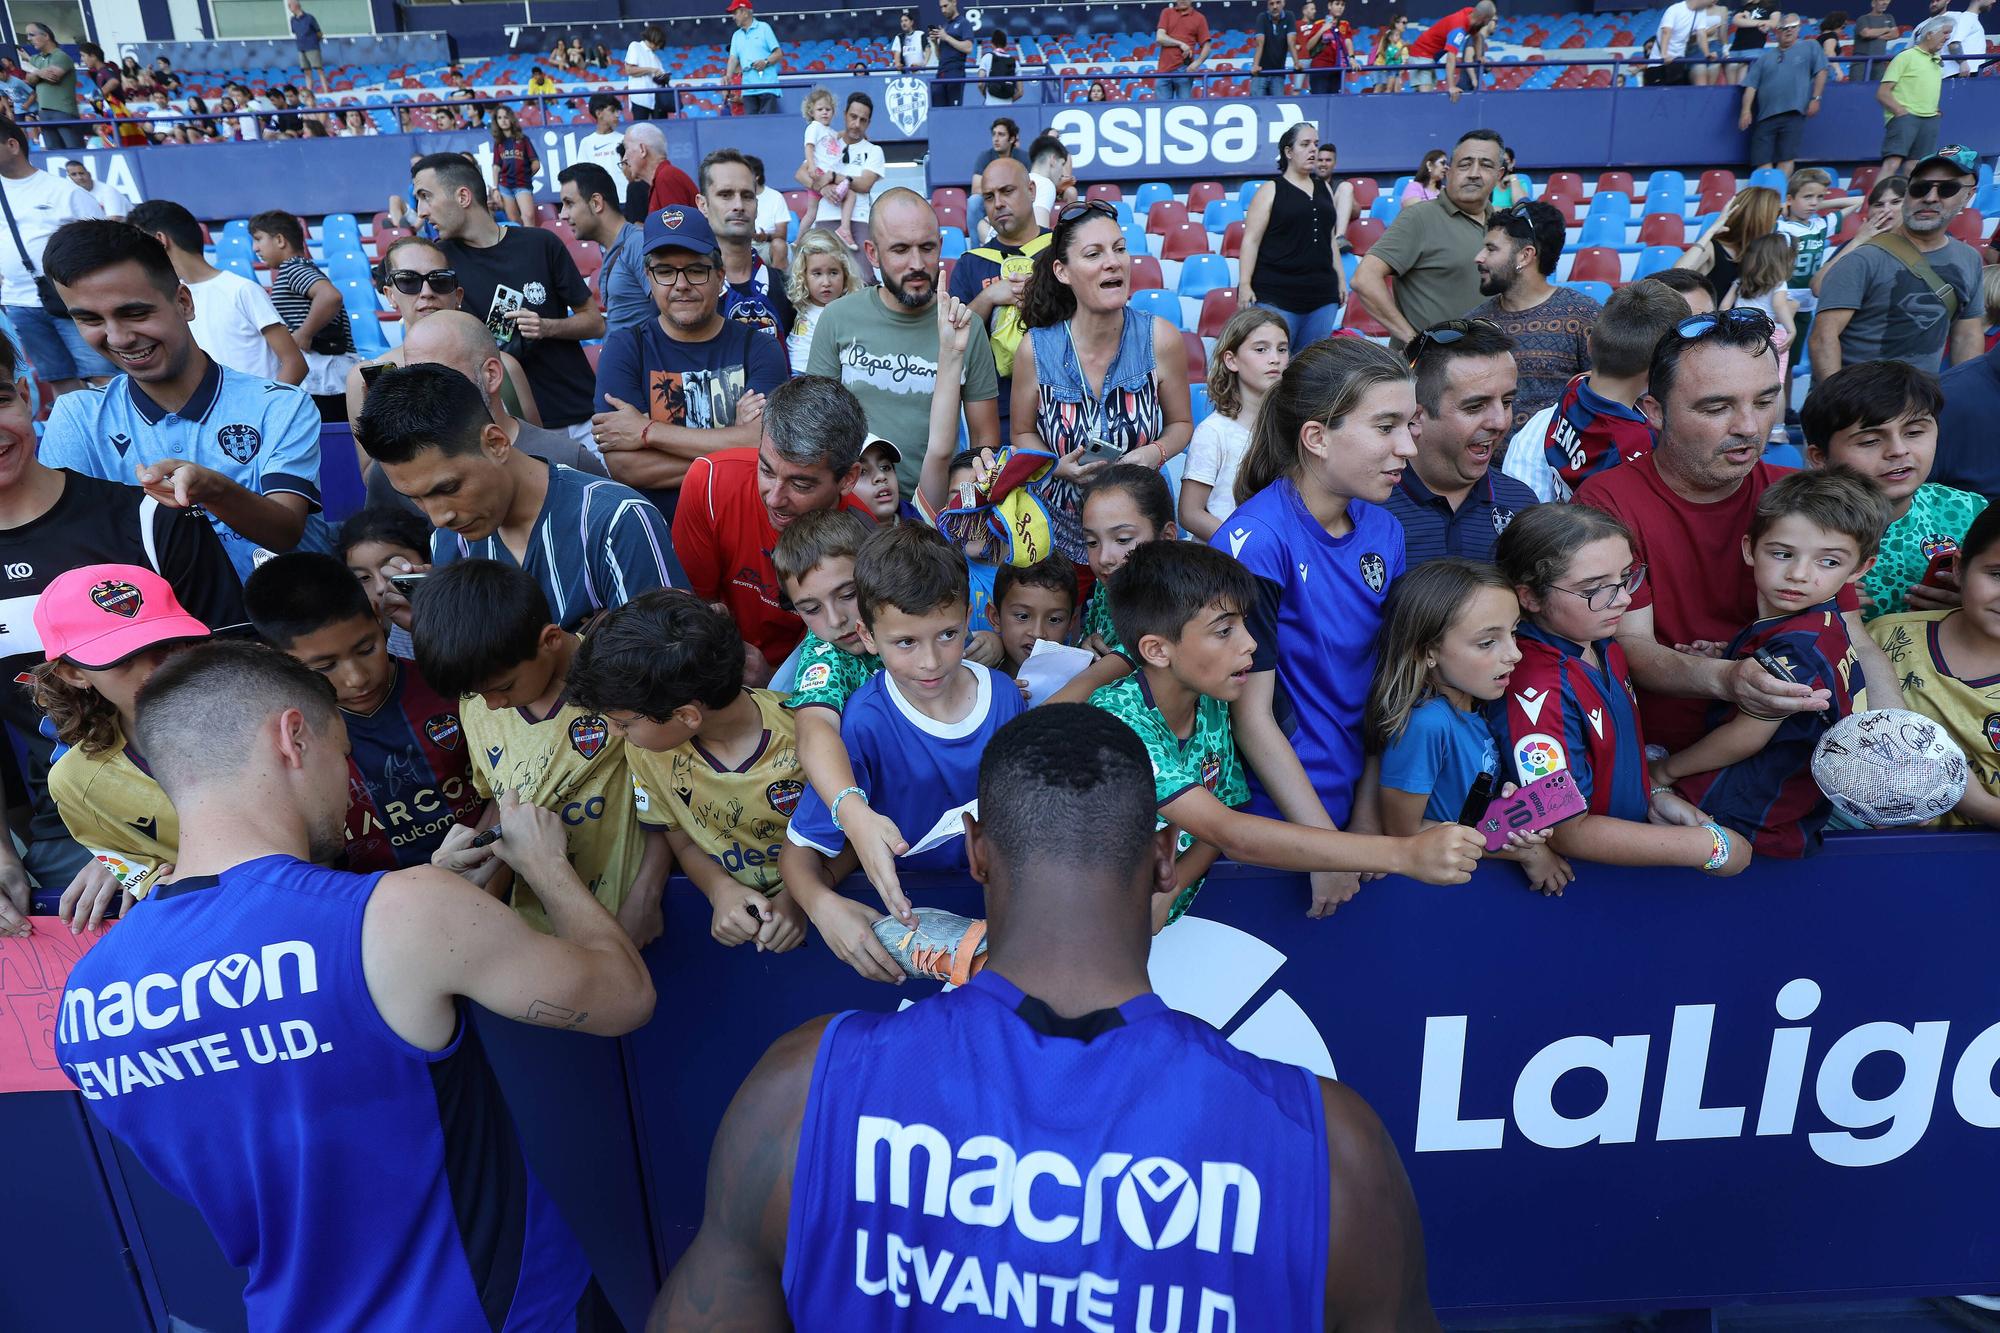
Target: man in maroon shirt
x=1715 y=393
x=645 y=159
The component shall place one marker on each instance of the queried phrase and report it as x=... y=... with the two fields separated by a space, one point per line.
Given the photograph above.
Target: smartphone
x=406 y=584
x=1941 y=565
x=1541 y=804
x=1096 y=450
x=369 y=374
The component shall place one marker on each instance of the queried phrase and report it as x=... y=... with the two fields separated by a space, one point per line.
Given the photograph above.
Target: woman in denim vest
x=1092 y=368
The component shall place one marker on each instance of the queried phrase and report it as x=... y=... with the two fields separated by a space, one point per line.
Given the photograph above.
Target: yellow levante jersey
x=117 y=813
x=1968 y=710
x=736 y=816
x=571 y=763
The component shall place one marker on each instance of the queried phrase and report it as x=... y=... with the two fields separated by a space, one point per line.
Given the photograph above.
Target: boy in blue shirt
x=408 y=777
x=913 y=733
x=190 y=431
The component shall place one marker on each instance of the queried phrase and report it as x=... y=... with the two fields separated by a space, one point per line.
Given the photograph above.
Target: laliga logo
x=1182 y=134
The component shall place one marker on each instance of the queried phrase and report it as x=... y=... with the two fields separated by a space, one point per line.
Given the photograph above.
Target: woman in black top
x=1289 y=261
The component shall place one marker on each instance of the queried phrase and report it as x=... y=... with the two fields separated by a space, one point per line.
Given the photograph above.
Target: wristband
x=1660 y=791
x=1720 y=837
x=833 y=812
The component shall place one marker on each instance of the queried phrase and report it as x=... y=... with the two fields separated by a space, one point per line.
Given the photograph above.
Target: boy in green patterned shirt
x=1180 y=608
x=1880 y=418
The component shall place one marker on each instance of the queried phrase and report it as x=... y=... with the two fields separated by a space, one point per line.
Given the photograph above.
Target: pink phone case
x=1541 y=804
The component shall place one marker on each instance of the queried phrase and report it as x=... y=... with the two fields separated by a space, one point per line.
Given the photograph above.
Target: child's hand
x=750 y=407
x=954 y=327
x=1703 y=648
x=877 y=842
x=1331 y=888
x=1096 y=644
x=849 y=930
x=1667 y=808
x=1444 y=854
x=1519 y=844
x=786 y=928
x=984 y=648
x=738 y=914
x=1022 y=686
x=1547 y=872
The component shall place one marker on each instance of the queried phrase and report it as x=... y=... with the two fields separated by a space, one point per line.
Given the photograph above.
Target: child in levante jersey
x=1948 y=664
x=1447 y=651
x=1250 y=354
x=105 y=628
x=483 y=628
x=713 y=763
x=913 y=734
x=1569 y=704
x=1813 y=534
x=409 y=775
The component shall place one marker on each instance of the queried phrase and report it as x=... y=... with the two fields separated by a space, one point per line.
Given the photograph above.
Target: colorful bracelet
x=1720 y=837
x=833 y=811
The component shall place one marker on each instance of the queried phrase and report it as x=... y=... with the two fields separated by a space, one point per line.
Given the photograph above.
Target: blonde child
x=824 y=152
x=1761 y=283
x=1251 y=354
x=1447 y=651
x=1393 y=50
x=823 y=271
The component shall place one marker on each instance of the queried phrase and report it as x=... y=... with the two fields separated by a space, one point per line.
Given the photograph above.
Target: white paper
x=950 y=824
x=1050 y=667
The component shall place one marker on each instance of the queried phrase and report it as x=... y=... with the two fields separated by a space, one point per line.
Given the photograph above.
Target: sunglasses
x=1514 y=221
x=1443 y=335
x=409 y=282
x=1084 y=208
x=1603 y=595
x=1742 y=322
x=1942 y=189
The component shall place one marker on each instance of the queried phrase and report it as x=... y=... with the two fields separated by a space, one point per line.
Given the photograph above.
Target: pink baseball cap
x=99 y=615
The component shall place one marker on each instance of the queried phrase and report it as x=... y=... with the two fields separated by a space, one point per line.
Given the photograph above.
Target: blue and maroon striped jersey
x=407 y=779
x=1559 y=712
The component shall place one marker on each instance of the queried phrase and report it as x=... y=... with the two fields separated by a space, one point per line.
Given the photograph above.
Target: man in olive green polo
x=1430 y=247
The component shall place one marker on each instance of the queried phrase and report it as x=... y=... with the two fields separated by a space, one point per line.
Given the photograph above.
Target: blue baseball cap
x=680 y=226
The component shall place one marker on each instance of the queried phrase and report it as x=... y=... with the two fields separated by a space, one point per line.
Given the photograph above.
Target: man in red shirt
x=1184 y=41
x=645 y=159
x=1324 y=46
x=1460 y=35
x=1715 y=392
x=734 y=502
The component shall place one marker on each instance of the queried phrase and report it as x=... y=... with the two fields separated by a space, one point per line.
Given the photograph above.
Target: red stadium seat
x=1197 y=357
x=1202 y=193
x=1189 y=238
x=950 y=213
x=1850 y=227
x=1595 y=263
x=1563 y=185
x=589 y=258
x=1663 y=229
x=1863 y=179
x=1146 y=273
x=1621 y=181
x=1714 y=200
x=590 y=353
x=1216 y=308
x=1362 y=233
x=948 y=194
x=1717 y=178
x=1165 y=215
x=1969 y=227
x=1366 y=188
x=1359 y=320
x=799 y=201
x=1109 y=193
x=1232 y=241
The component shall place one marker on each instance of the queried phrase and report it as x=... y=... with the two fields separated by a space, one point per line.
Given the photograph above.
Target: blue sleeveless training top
x=224 y=1031
x=976 y=1154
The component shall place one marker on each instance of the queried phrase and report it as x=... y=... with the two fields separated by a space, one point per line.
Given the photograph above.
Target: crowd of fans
x=734 y=557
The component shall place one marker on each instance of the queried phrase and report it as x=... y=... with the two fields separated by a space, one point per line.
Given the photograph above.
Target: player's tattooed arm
x=543 y=1013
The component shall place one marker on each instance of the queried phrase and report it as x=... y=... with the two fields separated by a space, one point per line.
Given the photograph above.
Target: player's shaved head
x=199 y=716
x=1069 y=786
x=455 y=339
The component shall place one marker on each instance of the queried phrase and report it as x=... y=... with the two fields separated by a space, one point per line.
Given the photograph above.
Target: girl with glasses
x=1569 y=705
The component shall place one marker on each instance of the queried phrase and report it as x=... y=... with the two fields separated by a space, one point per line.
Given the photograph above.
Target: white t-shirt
x=1813 y=240
x=1971 y=38
x=230 y=315
x=824 y=146
x=799 y=342
x=111 y=199
x=774 y=215
x=1678 y=23
x=1214 y=454
x=603 y=150
x=864 y=158
x=638 y=53
x=41 y=203
x=912 y=45
x=1045 y=199
x=1527 y=462
x=1710 y=22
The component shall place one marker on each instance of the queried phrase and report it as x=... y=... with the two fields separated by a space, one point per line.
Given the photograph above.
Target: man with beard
x=1913 y=293
x=1452 y=501
x=990 y=278
x=1714 y=392
x=689 y=382
x=882 y=342
x=753 y=292
x=390 y=1086
x=1550 y=325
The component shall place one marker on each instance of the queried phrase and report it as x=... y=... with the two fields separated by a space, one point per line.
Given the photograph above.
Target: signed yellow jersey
x=1968 y=710
x=117 y=812
x=736 y=816
x=571 y=763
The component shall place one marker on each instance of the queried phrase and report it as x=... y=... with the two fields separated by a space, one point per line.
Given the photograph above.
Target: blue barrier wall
x=1658 y=1090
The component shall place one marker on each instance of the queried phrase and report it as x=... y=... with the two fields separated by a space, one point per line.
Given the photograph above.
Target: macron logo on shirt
x=1238 y=538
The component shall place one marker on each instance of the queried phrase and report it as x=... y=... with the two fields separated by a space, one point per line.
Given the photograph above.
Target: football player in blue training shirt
x=330 y=1044
x=1331 y=443
x=190 y=431
x=411 y=777
x=913 y=733
x=1059 y=1072
x=590 y=542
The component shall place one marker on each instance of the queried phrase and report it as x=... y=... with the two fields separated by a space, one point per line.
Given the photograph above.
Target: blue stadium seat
x=1202 y=274
x=1667 y=192
x=1655 y=259
x=1605 y=231
x=1385 y=207
x=1125 y=215
x=358 y=295
x=347 y=267
x=1770 y=178
x=1610 y=204
x=1198 y=401
x=953 y=243
x=1220 y=213
x=1152 y=192
x=1599 y=292
x=1156 y=302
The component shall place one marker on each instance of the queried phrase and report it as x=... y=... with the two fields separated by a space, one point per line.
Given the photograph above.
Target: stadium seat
x=1863 y=179
x=1362 y=233
x=945 y=196
x=1189 y=238
x=1200 y=409
x=1202 y=193
x=1717 y=178
x=1607 y=233
x=1385 y=208
x=1655 y=259
x=1164 y=215
x=1562 y=185
x=1356 y=317
x=1155 y=301
x=952 y=242
x=1610 y=204
x=1621 y=181
x=1366 y=191
x=1146 y=273
x=1969 y=227
x=1770 y=178
x=1667 y=192
x=1152 y=192
x=1599 y=292
x=1663 y=229
x=344 y=267
x=1594 y=263
x=1202 y=274
x=385 y=236
x=1217 y=214
x=800 y=201
x=1217 y=305
x=1197 y=357
x=359 y=298
x=951 y=213
x=1108 y=192
x=1232 y=241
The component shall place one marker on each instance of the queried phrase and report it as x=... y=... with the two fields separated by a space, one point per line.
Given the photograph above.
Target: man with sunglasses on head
x=1912 y=294
x=1550 y=325
x=688 y=382
x=1714 y=391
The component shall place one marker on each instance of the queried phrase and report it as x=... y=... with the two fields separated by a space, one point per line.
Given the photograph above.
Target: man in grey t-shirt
x=1873 y=307
x=1873 y=32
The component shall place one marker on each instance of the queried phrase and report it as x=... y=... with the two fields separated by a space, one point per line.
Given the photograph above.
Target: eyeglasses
x=408 y=281
x=664 y=275
x=1443 y=335
x=1602 y=596
x=1083 y=208
x=1741 y=322
x=1942 y=189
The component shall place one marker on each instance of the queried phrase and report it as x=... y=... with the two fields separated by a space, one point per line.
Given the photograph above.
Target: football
x=1889 y=767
